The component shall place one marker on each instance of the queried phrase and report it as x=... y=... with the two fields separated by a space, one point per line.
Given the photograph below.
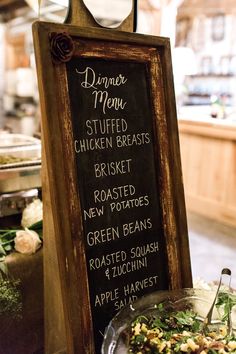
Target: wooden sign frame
x=62 y=179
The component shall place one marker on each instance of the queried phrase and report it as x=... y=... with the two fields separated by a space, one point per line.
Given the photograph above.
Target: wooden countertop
x=211 y=127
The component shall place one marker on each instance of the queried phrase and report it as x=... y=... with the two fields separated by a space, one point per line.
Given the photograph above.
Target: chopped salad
x=178 y=332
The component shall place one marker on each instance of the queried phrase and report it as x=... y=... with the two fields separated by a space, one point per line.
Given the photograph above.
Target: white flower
x=32 y=213
x=27 y=241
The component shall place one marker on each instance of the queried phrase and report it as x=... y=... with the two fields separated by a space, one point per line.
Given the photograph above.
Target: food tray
x=20 y=165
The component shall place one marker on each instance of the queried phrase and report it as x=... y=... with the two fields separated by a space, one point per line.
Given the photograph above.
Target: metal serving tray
x=21 y=175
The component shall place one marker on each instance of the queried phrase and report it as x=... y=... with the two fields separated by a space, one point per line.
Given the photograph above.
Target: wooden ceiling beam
x=190 y=8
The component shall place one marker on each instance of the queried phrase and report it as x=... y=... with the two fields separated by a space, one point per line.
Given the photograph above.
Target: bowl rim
x=146 y=303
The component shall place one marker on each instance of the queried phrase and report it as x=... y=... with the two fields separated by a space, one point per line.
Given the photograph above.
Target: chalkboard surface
x=113 y=173
x=117 y=174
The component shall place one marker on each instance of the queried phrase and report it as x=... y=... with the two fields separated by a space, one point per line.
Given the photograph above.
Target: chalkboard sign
x=112 y=152
x=114 y=145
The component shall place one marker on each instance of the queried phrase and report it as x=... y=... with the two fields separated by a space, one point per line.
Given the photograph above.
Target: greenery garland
x=10 y=299
x=10 y=293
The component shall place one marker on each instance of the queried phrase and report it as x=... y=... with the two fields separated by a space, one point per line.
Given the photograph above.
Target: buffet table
x=208 y=153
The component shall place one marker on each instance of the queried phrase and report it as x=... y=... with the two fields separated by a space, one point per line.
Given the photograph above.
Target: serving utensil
x=225 y=273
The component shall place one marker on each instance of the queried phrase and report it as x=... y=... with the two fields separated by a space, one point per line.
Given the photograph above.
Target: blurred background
x=202 y=35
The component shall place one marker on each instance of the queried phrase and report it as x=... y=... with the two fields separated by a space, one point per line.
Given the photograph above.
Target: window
x=206 y=66
x=218 y=27
x=182 y=32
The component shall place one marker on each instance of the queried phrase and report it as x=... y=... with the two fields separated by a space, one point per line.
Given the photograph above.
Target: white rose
x=27 y=241
x=32 y=213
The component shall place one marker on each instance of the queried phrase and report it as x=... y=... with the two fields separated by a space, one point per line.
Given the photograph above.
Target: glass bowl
x=197 y=300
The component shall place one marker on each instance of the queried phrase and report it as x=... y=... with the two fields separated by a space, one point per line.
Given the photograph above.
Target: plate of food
x=174 y=322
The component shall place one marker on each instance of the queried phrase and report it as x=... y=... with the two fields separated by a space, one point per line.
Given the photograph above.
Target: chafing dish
x=20 y=170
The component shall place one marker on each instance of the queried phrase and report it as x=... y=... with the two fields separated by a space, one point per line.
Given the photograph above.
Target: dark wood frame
x=61 y=182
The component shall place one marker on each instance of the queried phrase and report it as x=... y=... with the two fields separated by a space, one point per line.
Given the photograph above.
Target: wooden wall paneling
x=209 y=169
x=205 y=171
x=231 y=176
x=194 y=163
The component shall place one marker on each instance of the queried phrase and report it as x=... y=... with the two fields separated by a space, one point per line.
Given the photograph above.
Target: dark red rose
x=62 y=47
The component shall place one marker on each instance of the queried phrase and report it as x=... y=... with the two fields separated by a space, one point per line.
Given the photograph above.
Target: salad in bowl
x=174 y=322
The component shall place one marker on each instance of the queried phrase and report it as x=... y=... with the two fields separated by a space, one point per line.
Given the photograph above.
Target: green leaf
x=227 y=301
x=196 y=326
x=158 y=323
x=36 y=226
x=8 y=247
x=3 y=231
x=3 y=268
x=40 y=233
x=160 y=307
x=2 y=251
x=185 y=318
x=6 y=243
x=140 y=319
x=8 y=234
x=139 y=339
